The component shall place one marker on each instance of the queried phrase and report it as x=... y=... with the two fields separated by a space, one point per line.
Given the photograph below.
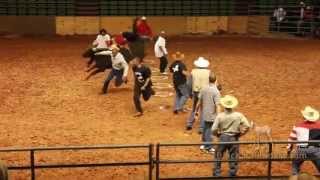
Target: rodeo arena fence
x=155 y=160
x=263 y=10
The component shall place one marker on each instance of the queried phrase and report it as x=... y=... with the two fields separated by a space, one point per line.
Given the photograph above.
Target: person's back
x=230 y=122
x=209 y=98
x=200 y=78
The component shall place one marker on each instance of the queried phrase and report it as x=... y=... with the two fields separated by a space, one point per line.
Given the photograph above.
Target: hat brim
x=234 y=103
x=313 y=118
x=201 y=64
x=229 y=106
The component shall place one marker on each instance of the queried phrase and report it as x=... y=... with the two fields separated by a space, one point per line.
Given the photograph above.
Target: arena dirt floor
x=45 y=102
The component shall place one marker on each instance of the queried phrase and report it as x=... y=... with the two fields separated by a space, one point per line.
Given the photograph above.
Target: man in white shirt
x=161 y=52
x=102 y=41
x=119 y=69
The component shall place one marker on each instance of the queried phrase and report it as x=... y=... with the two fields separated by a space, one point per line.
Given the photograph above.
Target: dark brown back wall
x=28 y=24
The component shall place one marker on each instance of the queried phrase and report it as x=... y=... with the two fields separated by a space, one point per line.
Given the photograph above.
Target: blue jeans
x=304 y=154
x=207 y=134
x=182 y=95
x=113 y=73
x=233 y=150
x=195 y=98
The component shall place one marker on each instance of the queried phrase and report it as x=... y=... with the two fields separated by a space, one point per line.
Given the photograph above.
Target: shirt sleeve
x=216 y=98
x=245 y=123
x=125 y=67
x=95 y=42
x=215 y=126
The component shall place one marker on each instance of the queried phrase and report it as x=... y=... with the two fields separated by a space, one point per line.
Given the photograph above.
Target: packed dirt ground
x=45 y=101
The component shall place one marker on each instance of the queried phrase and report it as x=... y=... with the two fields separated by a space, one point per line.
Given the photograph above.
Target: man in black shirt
x=179 y=70
x=142 y=85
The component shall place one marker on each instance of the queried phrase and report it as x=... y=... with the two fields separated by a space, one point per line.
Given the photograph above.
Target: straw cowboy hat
x=143 y=18
x=201 y=62
x=310 y=114
x=229 y=101
x=178 y=56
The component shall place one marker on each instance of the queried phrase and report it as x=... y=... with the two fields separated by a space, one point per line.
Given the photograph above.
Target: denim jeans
x=182 y=95
x=233 y=150
x=195 y=98
x=207 y=134
x=113 y=73
x=303 y=154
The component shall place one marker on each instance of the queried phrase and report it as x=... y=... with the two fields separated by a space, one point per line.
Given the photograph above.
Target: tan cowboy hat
x=143 y=18
x=201 y=62
x=178 y=56
x=310 y=114
x=229 y=101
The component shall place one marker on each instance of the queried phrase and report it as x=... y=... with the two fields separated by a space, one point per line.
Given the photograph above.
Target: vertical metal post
x=150 y=161
x=32 y=165
x=270 y=161
x=157 y=161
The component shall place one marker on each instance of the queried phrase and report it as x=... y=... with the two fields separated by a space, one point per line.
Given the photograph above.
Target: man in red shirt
x=143 y=29
x=309 y=129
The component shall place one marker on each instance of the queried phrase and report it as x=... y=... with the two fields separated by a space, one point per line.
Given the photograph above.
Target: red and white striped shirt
x=305 y=131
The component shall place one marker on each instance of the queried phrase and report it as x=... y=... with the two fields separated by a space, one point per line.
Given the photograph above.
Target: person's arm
x=245 y=125
x=125 y=68
x=292 y=137
x=148 y=75
x=215 y=126
x=162 y=46
x=95 y=42
x=145 y=84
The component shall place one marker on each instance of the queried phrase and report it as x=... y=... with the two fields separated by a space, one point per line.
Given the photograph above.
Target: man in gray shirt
x=209 y=104
x=229 y=126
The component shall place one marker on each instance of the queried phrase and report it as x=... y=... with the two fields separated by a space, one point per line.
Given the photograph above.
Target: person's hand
x=125 y=79
x=143 y=88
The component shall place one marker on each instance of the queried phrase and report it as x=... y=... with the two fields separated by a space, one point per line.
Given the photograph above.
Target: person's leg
x=163 y=64
x=183 y=89
x=107 y=81
x=177 y=102
x=136 y=99
x=190 y=120
x=119 y=80
x=96 y=71
x=315 y=155
x=201 y=123
x=233 y=157
x=147 y=93
x=298 y=161
x=207 y=134
x=219 y=155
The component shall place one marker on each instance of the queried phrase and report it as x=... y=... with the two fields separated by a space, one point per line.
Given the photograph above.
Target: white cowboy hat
x=178 y=56
x=201 y=62
x=229 y=101
x=310 y=114
x=143 y=18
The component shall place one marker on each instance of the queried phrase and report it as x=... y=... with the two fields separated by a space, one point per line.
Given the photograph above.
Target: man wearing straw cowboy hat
x=119 y=69
x=180 y=73
x=309 y=129
x=229 y=126
x=199 y=79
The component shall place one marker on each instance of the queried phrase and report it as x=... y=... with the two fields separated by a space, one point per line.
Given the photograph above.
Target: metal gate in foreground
x=157 y=160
